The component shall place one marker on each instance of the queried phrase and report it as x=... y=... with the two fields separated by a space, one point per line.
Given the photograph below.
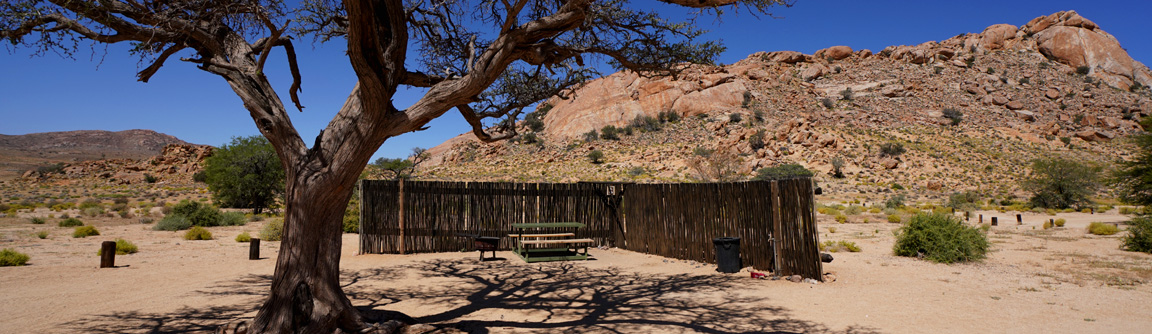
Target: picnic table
x=538 y=242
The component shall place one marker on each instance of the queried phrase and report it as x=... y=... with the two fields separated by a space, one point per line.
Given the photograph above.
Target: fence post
x=254 y=249
x=1019 y=221
x=993 y=221
x=777 y=227
x=108 y=254
x=400 y=209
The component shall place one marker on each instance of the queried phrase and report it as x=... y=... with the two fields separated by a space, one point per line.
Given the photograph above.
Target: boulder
x=1014 y=105
x=1052 y=93
x=836 y=52
x=1075 y=41
x=788 y=57
x=995 y=35
x=889 y=163
x=813 y=72
x=1025 y=115
x=1095 y=136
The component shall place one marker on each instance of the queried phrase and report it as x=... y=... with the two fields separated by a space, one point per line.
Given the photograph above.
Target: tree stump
x=108 y=254
x=993 y=221
x=254 y=249
x=1019 y=221
x=981 y=218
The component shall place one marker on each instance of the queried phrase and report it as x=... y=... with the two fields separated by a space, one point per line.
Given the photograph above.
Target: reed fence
x=775 y=220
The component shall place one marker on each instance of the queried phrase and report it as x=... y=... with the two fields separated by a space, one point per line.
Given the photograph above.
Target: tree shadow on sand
x=567 y=298
x=473 y=296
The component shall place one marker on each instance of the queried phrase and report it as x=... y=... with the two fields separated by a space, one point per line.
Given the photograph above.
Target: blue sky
x=98 y=90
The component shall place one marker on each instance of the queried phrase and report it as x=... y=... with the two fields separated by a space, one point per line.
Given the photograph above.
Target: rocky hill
x=176 y=163
x=20 y=153
x=971 y=111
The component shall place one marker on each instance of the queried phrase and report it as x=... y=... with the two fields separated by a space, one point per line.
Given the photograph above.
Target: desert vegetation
x=940 y=238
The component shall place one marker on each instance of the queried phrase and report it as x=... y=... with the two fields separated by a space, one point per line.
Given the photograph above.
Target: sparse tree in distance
x=245 y=173
x=397 y=168
x=1133 y=178
x=488 y=60
x=1061 y=183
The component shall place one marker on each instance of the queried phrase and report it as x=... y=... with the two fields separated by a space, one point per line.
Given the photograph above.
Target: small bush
x=841 y=219
x=37 y=220
x=636 y=171
x=200 y=176
x=85 y=231
x=591 y=136
x=92 y=212
x=42 y=234
x=1047 y=225
x=149 y=178
x=846 y=94
x=785 y=171
x=273 y=230
x=206 y=215
x=1139 y=238
x=1083 y=70
x=595 y=156
x=233 y=219
x=854 y=210
x=70 y=222
x=1099 y=228
x=173 y=222
x=123 y=247
x=837 y=246
x=827 y=102
x=735 y=118
x=1060 y=222
x=894 y=218
x=351 y=224
x=648 y=123
x=609 y=132
x=940 y=238
x=891 y=149
x=10 y=258
x=147 y=220
x=894 y=202
x=954 y=115
x=756 y=140
x=198 y=233
x=243 y=237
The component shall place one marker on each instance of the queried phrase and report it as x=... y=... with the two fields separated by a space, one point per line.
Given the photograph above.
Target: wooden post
x=777 y=227
x=108 y=254
x=993 y=221
x=254 y=249
x=967 y=215
x=400 y=220
x=1019 y=221
x=981 y=218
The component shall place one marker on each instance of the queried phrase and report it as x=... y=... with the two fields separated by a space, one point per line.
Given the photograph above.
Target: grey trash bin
x=727 y=254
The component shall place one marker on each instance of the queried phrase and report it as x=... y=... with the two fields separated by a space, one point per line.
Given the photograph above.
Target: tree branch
x=147 y=73
x=478 y=127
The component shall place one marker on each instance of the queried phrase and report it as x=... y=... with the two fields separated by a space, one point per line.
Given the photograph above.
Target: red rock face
x=1075 y=41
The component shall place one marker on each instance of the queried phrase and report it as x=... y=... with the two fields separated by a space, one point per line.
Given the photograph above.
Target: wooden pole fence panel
x=774 y=220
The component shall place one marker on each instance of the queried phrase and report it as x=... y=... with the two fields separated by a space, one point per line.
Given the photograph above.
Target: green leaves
x=245 y=174
x=1060 y=183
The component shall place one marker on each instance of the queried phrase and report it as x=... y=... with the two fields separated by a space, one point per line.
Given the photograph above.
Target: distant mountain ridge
x=19 y=153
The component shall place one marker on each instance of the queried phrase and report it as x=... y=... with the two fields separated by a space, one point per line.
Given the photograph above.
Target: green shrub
x=92 y=212
x=1061 y=183
x=1083 y=70
x=123 y=247
x=42 y=234
x=785 y=171
x=940 y=238
x=149 y=178
x=147 y=220
x=841 y=219
x=206 y=215
x=1047 y=225
x=243 y=237
x=1127 y=210
x=591 y=135
x=233 y=219
x=891 y=149
x=853 y=210
x=756 y=140
x=85 y=231
x=894 y=202
x=964 y=201
x=273 y=230
x=1060 y=222
x=595 y=156
x=37 y=220
x=650 y=124
x=351 y=224
x=610 y=132
x=894 y=218
x=197 y=233
x=1099 y=228
x=836 y=246
x=70 y=222
x=1139 y=238
x=10 y=257
x=173 y=222
x=953 y=115
x=186 y=208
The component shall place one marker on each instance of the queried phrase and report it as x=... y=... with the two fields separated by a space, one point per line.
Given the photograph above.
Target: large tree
x=487 y=59
x=245 y=173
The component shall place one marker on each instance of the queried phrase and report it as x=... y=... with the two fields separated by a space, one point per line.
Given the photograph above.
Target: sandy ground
x=1034 y=281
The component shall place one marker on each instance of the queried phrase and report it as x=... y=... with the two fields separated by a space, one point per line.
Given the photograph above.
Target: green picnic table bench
x=534 y=243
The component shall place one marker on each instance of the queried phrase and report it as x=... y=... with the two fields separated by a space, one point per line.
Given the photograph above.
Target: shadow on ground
x=473 y=296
